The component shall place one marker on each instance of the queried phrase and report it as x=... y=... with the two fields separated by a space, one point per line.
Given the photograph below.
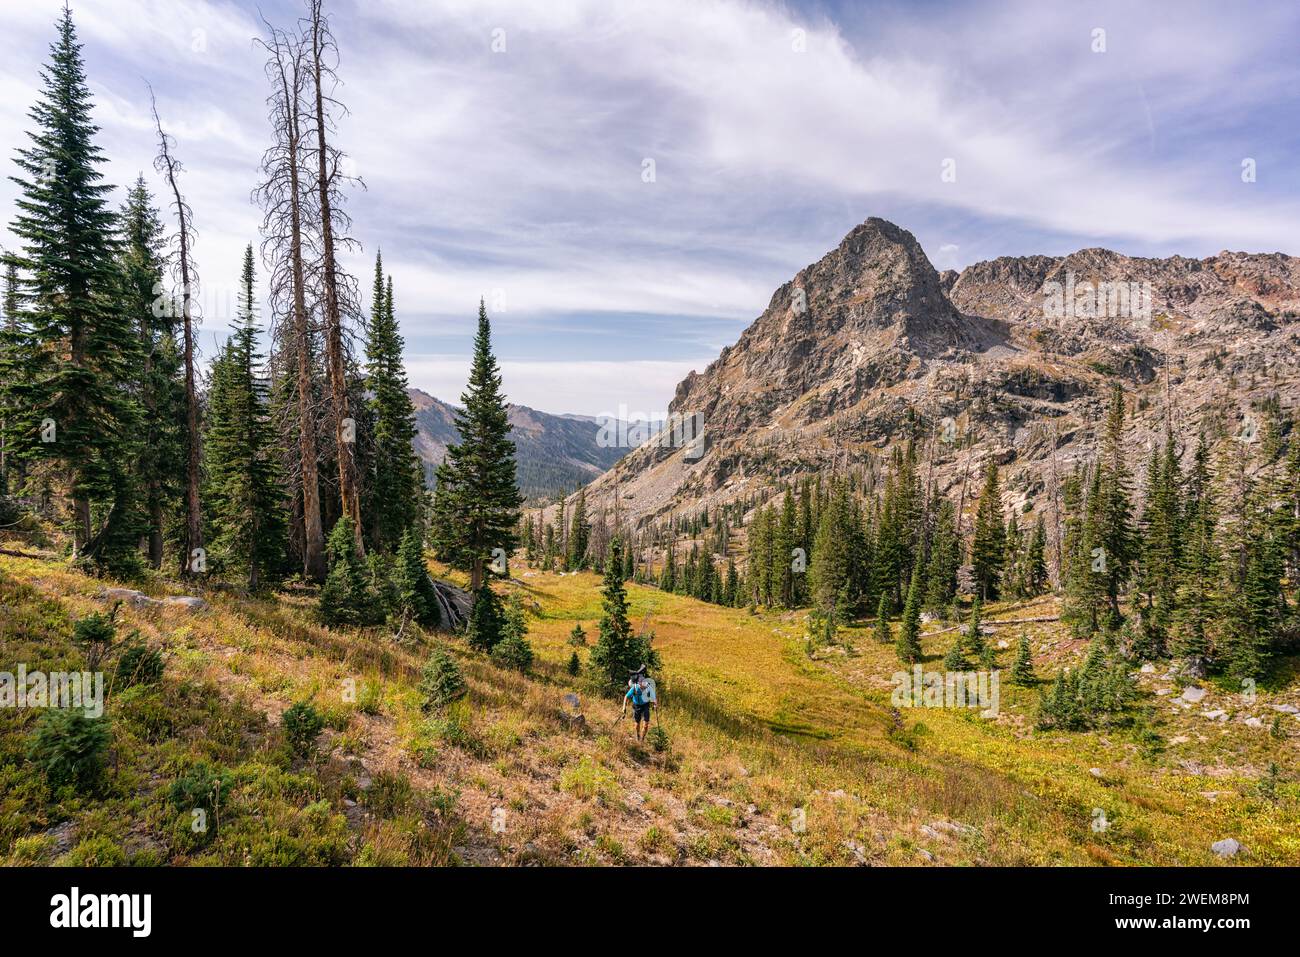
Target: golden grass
x=763 y=742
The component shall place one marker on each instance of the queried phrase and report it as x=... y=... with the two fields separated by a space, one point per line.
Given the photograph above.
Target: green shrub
x=200 y=786
x=575 y=666
x=69 y=748
x=302 y=724
x=347 y=598
x=98 y=851
x=513 y=650
x=389 y=793
x=95 y=635
x=658 y=739
x=441 y=682
x=370 y=698
x=138 y=665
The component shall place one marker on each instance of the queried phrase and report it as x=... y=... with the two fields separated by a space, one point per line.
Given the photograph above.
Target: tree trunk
x=344 y=427
x=313 y=533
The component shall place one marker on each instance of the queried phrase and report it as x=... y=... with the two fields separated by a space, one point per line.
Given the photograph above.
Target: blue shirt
x=636 y=693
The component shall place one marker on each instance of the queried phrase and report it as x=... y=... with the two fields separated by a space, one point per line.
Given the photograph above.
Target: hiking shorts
x=641 y=712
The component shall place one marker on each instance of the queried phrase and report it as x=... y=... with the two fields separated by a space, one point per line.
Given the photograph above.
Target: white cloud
x=521 y=171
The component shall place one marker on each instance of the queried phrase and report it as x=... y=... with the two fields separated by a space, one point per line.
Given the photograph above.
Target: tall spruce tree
x=160 y=386
x=397 y=479
x=945 y=559
x=1116 y=529
x=1198 y=565
x=245 y=493
x=476 y=502
x=988 y=549
x=72 y=408
x=908 y=643
x=579 y=534
x=617 y=651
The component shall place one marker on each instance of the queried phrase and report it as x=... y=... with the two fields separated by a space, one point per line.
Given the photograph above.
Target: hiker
x=642 y=695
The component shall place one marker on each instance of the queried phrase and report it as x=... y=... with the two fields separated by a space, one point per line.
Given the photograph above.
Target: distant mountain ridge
x=1012 y=358
x=553 y=453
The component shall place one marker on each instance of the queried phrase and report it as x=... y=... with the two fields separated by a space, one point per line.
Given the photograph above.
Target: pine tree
x=1086 y=582
x=668 y=580
x=909 y=633
x=476 y=503
x=483 y=629
x=415 y=597
x=1161 y=547
x=783 y=549
x=731 y=591
x=945 y=559
x=12 y=370
x=579 y=534
x=244 y=494
x=160 y=387
x=1036 y=560
x=975 y=629
x=441 y=682
x=513 y=650
x=955 y=659
x=882 y=621
x=1116 y=533
x=345 y=598
x=71 y=406
x=617 y=651
x=397 y=479
x=829 y=572
x=1022 y=672
x=989 y=546
x=1198 y=565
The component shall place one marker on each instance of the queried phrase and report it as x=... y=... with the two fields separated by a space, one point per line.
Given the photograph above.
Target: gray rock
x=1193 y=694
x=1254 y=723
x=1228 y=847
x=1148 y=669
x=1217 y=715
x=1286 y=708
x=188 y=602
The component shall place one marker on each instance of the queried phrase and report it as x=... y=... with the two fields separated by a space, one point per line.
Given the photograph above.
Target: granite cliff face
x=1015 y=357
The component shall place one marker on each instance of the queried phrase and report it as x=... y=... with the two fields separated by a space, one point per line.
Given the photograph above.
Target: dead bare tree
x=322 y=65
x=167 y=164
x=283 y=200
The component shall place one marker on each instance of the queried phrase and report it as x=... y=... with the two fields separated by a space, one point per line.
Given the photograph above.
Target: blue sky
x=517 y=173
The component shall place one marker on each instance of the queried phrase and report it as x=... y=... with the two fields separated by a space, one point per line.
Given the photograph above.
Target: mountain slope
x=553 y=453
x=870 y=345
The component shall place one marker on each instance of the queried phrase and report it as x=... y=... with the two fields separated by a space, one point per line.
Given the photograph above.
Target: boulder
x=1228 y=847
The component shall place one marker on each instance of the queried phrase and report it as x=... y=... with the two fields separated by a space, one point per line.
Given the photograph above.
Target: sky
x=626 y=183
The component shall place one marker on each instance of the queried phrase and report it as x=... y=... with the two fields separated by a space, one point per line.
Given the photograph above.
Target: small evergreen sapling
x=1022 y=672
x=441 y=682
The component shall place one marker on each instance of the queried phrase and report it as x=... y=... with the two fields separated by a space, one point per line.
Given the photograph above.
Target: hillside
x=553 y=453
x=870 y=345
x=774 y=758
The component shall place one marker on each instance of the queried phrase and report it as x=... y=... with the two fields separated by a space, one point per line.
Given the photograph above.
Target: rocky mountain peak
x=868 y=345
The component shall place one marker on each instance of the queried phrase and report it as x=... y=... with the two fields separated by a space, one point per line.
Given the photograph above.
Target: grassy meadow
x=774 y=756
